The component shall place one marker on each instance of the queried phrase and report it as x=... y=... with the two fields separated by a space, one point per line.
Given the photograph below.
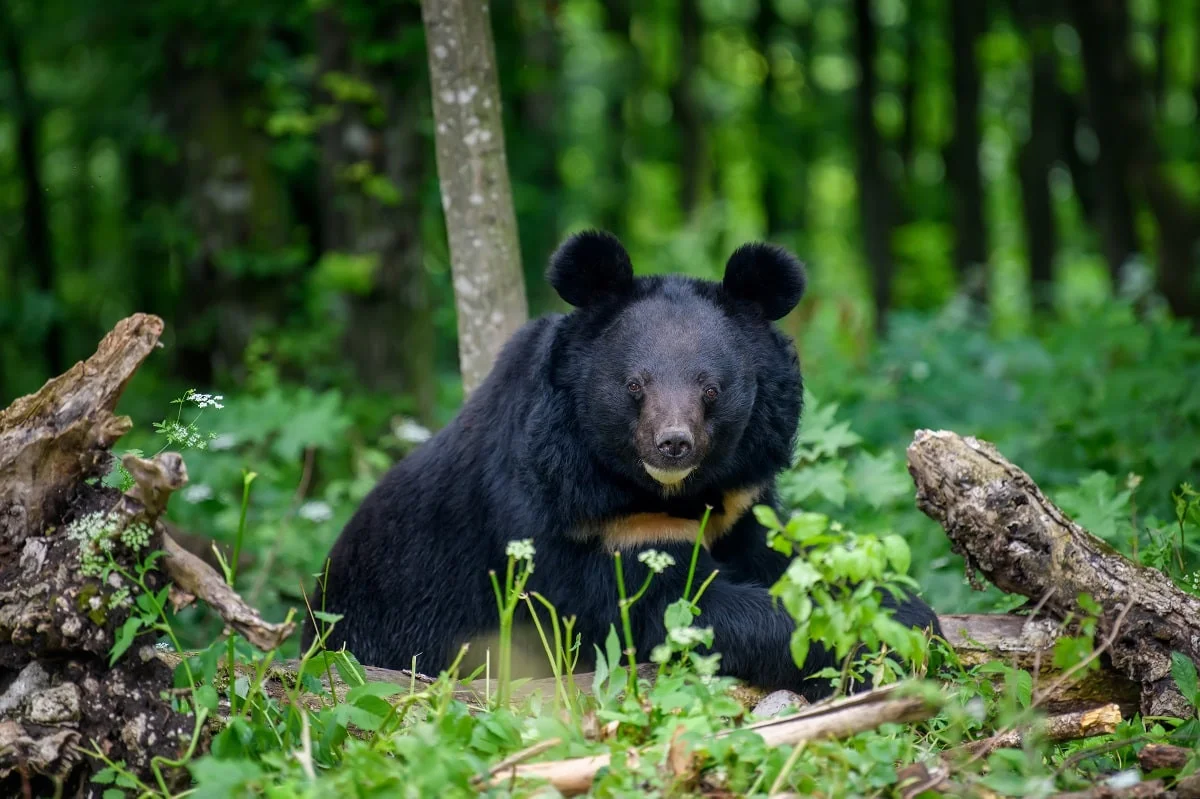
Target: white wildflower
x=656 y=561
x=520 y=550
x=197 y=493
x=411 y=432
x=688 y=636
x=315 y=511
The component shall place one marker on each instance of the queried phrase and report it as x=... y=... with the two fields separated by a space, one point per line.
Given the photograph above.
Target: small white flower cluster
x=187 y=436
x=657 y=562
x=204 y=400
x=520 y=550
x=163 y=646
x=315 y=511
x=410 y=432
x=688 y=636
x=198 y=493
x=93 y=533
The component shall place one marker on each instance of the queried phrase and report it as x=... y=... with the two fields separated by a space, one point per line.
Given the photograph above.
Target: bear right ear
x=767 y=276
x=590 y=266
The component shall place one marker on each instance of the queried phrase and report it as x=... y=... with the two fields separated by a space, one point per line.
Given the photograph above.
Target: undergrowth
x=1103 y=411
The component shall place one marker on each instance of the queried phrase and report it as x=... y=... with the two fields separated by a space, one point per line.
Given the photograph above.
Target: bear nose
x=674 y=442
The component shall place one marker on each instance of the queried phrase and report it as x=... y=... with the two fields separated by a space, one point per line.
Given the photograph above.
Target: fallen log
x=1004 y=527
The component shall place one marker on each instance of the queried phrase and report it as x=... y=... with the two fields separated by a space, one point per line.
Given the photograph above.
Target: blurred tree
x=489 y=285
x=35 y=224
x=372 y=169
x=876 y=203
x=1040 y=150
x=968 y=21
x=1131 y=156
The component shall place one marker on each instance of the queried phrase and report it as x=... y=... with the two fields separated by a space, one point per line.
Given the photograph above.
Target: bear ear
x=590 y=266
x=766 y=275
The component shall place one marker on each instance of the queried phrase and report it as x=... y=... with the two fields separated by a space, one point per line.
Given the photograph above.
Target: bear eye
x=711 y=393
x=634 y=387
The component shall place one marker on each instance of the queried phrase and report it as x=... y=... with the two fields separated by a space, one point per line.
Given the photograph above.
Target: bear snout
x=675 y=442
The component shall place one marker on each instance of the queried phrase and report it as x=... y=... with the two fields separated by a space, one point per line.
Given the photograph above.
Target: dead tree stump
x=59 y=619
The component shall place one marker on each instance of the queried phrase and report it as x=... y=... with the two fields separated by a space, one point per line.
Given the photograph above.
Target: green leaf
x=826 y=479
x=206 y=697
x=897 y=552
x=129 y=631
x=879 y=480
x=379 y=690
x=1183 y=671
x=113 y=793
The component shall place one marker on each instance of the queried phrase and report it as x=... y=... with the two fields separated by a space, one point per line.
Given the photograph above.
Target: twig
x=193 y=575
x=1102 y=720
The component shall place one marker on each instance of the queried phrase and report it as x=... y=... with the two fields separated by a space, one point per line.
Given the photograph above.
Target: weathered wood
x=1003 y=526
x=51 y=439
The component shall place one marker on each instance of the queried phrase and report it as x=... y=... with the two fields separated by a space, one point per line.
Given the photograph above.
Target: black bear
x=609 y=428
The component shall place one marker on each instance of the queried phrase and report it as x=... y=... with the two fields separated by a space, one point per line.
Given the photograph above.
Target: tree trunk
x=875 y=202
x=485 y=259
x=1038 y=153
x=36 y=224
x=1083 y=176
x=967 y=23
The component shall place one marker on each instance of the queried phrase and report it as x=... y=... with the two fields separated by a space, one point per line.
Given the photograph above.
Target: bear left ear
x=590 y=266
x=766 y=275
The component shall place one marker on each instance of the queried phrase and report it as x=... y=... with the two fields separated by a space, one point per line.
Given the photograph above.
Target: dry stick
x=1102 y=720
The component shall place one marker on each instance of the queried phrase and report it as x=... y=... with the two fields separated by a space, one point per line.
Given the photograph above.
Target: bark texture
x=485 y=259
x=1003 y=526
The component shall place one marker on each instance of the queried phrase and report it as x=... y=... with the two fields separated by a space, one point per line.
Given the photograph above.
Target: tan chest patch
x=648 y=529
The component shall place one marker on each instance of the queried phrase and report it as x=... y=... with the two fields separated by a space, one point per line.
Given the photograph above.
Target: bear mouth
x=668 y=478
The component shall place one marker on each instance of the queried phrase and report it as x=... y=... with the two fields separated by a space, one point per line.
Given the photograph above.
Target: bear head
x=681 y=384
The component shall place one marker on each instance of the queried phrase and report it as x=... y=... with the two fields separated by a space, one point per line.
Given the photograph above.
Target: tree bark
x=967 y=23
x=876 y=205
x=1003 y=526
x=36 y=223
x=489 y=286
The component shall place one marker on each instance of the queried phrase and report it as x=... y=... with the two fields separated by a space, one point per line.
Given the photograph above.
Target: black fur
x=544 y=450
